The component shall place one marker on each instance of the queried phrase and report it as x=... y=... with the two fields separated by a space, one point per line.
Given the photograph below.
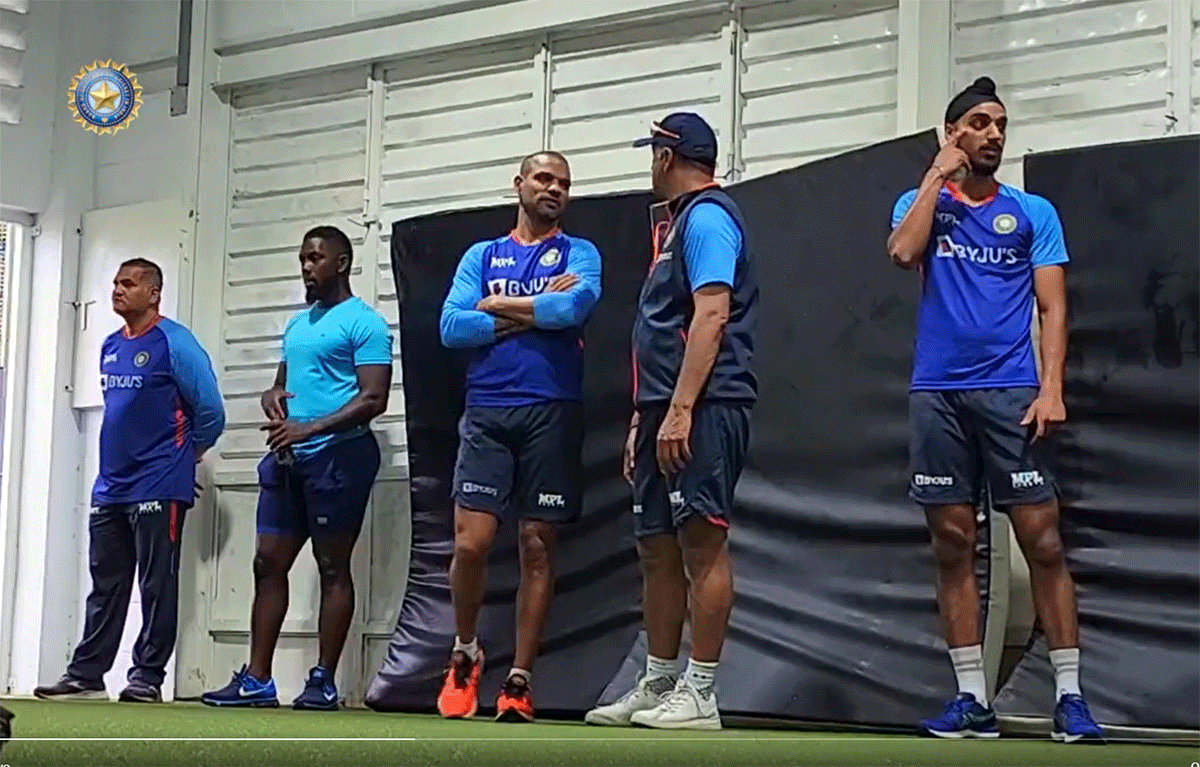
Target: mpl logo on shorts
x=149 y=507
x=471 y=487
x=551 y=499
x=922 y=480
x=1026 y=479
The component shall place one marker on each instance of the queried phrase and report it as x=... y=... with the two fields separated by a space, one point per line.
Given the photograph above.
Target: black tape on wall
x=1129 y=456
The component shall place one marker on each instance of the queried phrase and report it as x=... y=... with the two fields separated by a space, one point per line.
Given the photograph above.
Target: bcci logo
x=141 y=358
x=1004 y=224
x=104 y=97
x=550 y=257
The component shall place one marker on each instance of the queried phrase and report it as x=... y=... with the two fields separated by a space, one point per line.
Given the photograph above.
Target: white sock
x=658 y=668
x=968 y=669
x=701 y=676
x=1066 y=671
x=528 y=675
x=470 y=648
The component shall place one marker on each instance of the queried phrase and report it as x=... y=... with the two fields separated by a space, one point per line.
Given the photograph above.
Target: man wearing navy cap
x=693 y=340
x=987 y=254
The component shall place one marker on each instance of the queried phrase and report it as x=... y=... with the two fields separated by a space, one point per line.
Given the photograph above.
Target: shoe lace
x=677 y=699
x=1075 y=709
x=461 y=666
x=515 y=688
x=959 y=706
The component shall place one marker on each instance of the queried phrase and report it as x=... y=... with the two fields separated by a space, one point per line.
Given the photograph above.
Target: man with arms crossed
x=316 y=479
x=162 y=411
x=693 y=340
x=519 y=303
x=978 y=412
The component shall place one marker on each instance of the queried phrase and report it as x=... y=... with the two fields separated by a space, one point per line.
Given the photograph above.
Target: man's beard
x=535 y=215
x=986 y=169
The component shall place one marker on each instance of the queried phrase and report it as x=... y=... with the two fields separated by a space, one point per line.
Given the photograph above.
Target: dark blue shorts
x=318 y=495
x=525 y=460
x=963 y=441
x=719 y=442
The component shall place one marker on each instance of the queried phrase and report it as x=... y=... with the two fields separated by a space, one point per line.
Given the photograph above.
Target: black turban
x=982 y=91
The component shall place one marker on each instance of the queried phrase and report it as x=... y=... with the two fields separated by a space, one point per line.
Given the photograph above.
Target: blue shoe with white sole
x=320 y=694
x=1073 y=722
x=243 y=691
x=963 y=717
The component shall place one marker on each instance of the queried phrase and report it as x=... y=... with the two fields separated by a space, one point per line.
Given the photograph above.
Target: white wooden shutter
x=1070 y=72
x=14 y=15
x=607 y=85
x=815 y=81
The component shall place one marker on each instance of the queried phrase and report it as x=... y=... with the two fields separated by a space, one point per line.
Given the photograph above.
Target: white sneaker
x=645 y=695
x=684 y=708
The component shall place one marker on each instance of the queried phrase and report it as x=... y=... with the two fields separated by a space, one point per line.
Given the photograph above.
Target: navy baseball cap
x=687 y=133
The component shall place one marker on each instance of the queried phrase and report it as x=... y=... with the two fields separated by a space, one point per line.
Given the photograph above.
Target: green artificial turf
x=124 y=734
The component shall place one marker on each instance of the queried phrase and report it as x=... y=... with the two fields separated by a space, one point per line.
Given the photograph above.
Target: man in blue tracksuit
x=162 y=411
x=519 y=303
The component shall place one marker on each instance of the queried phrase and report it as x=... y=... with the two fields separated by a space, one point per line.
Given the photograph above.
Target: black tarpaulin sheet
x=1128 y=457
x=595 y=614
x=834 y=617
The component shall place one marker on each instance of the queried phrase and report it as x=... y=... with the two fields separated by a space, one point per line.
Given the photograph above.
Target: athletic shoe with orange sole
x=459 y=698
x=515 y=702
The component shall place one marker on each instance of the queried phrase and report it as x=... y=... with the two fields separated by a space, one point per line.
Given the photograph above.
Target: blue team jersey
x=161 y=405
x=543 y=363
x=323 y=348
x=976 y=306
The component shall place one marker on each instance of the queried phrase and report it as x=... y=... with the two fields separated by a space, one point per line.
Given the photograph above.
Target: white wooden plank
x=303 y=206
x=769 y=36
x=1079 y=98
x=1105 y=59
x=519 y=114
x=407 y=98
x=873 y=95
x=339 y=171
x=843 y=64
x=450 y=190
x=292 y=149
x=650 y=95
x=982 y=11
x=261 y=326
x=420 y=159
x=806 y=138
x=1073 y=27
x=583 y=71
x=328 y=114
x=258 y=356
x=262 y=297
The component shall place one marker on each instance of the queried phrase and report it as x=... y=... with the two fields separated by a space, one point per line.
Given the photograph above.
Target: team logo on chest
x=1004 y=223
x=141 y=358
x=550 y=257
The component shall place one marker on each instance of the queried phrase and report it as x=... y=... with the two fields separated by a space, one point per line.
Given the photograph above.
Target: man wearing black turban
x=978 y=408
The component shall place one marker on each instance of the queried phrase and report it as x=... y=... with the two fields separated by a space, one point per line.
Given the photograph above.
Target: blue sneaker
x=1073 y=722
x=319 y=693
x=243 y=691
x=964 y=717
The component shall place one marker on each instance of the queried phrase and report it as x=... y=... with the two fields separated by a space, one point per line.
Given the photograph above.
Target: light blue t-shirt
x=711 y=246
x=323 y=348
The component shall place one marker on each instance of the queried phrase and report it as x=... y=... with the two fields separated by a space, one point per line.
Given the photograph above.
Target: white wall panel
x=1071 y=72
x=815 y=84
x=454 y=131
x=608 y=85
x=1195 y=65
x=297 y=159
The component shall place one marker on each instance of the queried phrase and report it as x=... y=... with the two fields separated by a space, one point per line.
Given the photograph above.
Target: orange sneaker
x=459 y=698
x=515 y=703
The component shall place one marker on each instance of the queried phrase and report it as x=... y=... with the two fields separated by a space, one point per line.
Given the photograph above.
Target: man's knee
x=269 y=566
x=953 y=533
x=333 y=567
x=1036 y=530
x=536 y=546
x=660 y=556
x=474 y=532
x=703 y=543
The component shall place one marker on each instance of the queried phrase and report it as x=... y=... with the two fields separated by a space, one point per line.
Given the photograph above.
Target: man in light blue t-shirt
x=316 y=479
